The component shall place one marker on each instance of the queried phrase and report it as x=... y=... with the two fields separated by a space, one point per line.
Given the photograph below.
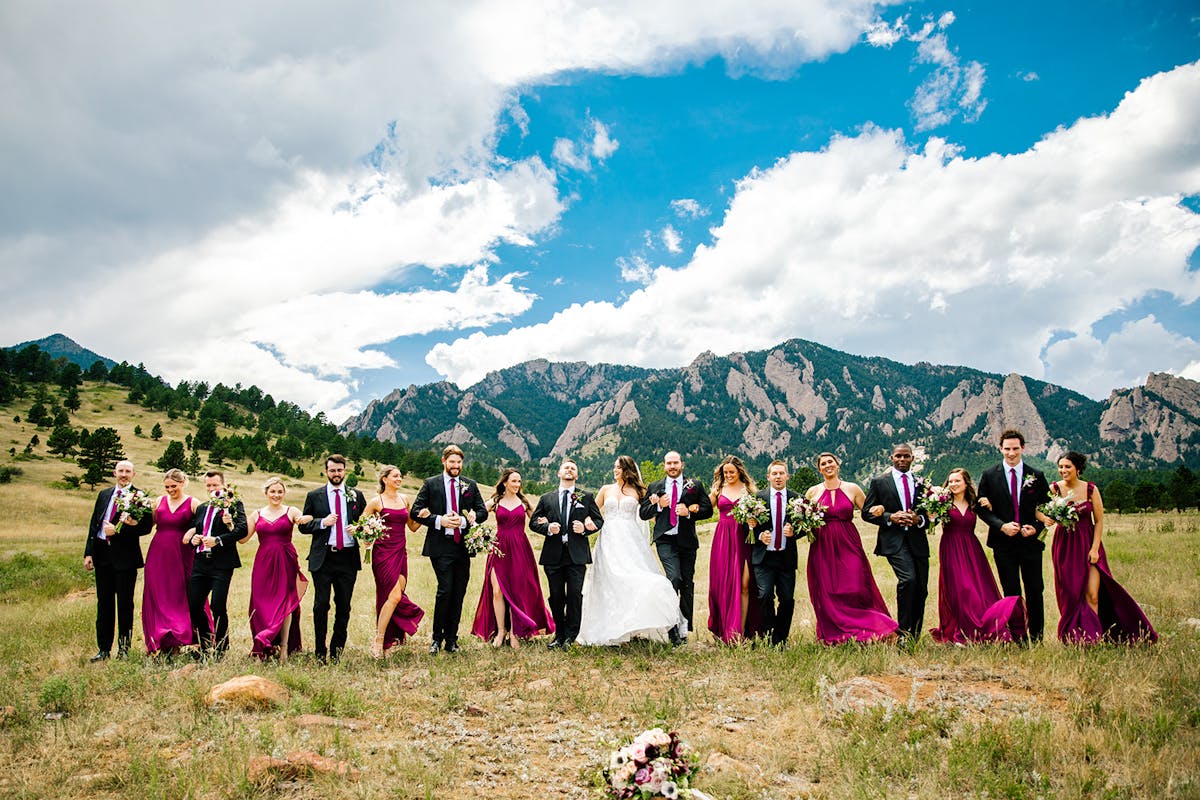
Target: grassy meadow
x=811 y=721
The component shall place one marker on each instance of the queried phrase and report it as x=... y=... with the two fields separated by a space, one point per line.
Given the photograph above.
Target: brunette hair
x=970 y=495
x=336 y=458
x=719 y=475
x=630 y=475
x=384 y=471
x=500 y=489
x=836 y=460
x=215 y=473
x=1078 y=459
x=452 y=450
x=1013 y=433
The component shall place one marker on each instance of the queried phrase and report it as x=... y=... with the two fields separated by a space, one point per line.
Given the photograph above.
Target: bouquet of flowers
x=750 y=510
x=654 y=764
x=225 y=499
x=368 y=530
x=135 y=503
x=806 y=516
x=1062 y=510
x=482 y=539
x=935 y=501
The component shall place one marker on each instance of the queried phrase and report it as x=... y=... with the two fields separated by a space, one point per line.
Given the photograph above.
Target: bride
x=625 y=593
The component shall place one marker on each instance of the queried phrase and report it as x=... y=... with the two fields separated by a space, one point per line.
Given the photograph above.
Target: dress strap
x=1090 y=487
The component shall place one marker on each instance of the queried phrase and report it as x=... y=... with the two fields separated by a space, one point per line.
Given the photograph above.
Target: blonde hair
x=177 y=475
x=271 y=481
x=384 y=471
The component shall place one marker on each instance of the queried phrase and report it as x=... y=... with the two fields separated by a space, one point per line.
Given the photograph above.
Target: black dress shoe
x=101 y=655
x=557 y=644
x=674 y=636
x=433 y=648
x=451 y=647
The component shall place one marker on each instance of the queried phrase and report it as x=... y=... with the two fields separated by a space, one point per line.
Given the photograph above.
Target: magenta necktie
x=778 y=521
x=338 y=525
x=116 y=510
x=674 y=502
x=454 y=508
x=907 y=491
x=1016 y=497
x=208 y=518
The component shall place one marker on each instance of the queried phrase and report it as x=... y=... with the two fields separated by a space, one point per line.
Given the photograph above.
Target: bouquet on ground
x=936 y=501
x=806 y=516
x=1062 y=510
x=134 y=502
x=482 y=539
x=750 y=510
x=654 y=764
x=368 y=530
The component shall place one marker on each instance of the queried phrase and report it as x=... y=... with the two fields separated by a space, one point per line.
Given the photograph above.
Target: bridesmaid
x=511 y=605
x=732 y=601
x=166 y=624
x=845 y=598
x=276 y=582
x=1092 y=606
x=396 y=616
x=970 y=606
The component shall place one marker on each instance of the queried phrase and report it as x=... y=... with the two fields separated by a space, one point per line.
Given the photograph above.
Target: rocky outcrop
x=1165 y=412
x=962 y=408
x=595 y=421
x=458 y=435
x=806 y=408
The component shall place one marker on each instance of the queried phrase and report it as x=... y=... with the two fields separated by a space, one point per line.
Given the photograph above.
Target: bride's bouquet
x=483 y=539
x=655 y=764
x=134 y=502
x=936 y=502
x=806 y=517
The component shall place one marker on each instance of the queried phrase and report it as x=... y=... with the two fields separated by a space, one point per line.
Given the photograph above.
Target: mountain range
x=791 y=401
x=58 y=345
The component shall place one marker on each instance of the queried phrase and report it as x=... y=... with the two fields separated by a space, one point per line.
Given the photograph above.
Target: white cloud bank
x=875 y=248
x=191 y=176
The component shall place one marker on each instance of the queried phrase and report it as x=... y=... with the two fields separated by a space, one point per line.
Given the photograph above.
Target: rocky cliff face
x=793 y=400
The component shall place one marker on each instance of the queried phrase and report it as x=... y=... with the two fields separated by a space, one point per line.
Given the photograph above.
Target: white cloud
x=671 y=239
x=874 y=248
x=635 y=269
x=687 y=208
x=885 y=34
x=603 y=145
x=1028 y=77
x=566 y=154
x=1095 y=367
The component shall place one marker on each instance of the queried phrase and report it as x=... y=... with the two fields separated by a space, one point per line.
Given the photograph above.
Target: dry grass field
x=811 y=721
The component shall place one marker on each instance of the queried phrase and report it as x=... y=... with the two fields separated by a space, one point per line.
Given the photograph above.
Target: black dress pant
x=114 y=591
x=453 y=574
x=775 y=580
x=566 y=598
x=211 y=584
x=1017 y=566
x=679 y=565
x=912 y=588
x=338 y=575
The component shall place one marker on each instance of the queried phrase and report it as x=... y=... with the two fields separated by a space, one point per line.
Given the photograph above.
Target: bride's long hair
x=630 y=475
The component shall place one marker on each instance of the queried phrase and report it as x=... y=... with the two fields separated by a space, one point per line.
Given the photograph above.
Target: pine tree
x=173 y=457
x=99 y=453
x=62 y=440
x=156 y=432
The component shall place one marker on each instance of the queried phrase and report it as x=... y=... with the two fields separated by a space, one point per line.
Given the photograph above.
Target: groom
x=676 y=504
x=565 y=517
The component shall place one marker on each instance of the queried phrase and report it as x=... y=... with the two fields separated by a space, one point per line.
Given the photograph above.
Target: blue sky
x=332 y=205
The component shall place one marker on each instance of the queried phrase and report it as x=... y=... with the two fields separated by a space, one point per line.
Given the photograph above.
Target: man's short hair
x=1013 y=433
x=336 y=458
x=452 y=450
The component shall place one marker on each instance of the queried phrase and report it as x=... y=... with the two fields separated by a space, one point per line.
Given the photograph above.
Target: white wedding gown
x=625 y=593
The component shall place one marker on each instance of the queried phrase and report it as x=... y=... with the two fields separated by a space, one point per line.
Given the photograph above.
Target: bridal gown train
x=625 y=593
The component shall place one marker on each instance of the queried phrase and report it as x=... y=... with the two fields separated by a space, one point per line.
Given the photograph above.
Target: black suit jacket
x=432 y=496
x=760 y=551
x=123 y=551
x=691 y=495
x=225 y=554
x=316 y=503
x=882 y=491
x=993 y=485
x=577 y=549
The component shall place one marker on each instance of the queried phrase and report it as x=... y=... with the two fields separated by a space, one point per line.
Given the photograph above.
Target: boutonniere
x=689 y=484
x=1029 y=479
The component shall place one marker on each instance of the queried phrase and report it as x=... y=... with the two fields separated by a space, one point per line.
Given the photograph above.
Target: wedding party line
x=638 y=582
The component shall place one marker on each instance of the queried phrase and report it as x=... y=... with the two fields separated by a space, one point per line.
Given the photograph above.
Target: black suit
x=906 y=547
x=565 y=564
x=115 y=561
x=775 y=571
x=332 y=569
x=450 y=559
x=212 y=572
x=677 y=552
x=1018 y=558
